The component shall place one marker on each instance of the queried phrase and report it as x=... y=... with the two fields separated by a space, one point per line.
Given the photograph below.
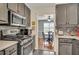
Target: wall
x=8 y=27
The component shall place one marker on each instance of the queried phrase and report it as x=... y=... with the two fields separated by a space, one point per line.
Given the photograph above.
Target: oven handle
x=28 y=44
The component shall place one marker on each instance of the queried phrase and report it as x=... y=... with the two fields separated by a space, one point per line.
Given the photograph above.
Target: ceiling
x=43 y=10
x=33 y=5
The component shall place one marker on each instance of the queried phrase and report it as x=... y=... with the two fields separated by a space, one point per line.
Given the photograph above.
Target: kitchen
x=19 y=28
x=15 y=31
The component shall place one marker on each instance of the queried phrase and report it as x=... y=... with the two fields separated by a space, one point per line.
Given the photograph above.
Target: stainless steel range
x=24 y=42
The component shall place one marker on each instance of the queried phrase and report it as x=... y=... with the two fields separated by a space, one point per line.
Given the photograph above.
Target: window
x=48 y=27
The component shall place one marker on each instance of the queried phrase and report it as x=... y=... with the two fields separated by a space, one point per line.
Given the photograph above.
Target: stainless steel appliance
x=16 y=19
x=24 y=42
x=27 y=47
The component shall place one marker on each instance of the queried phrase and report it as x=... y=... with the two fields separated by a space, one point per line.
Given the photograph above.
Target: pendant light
x=49 y=18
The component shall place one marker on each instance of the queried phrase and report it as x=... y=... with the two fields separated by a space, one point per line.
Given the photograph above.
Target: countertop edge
x=71 y=37
x=7 y=45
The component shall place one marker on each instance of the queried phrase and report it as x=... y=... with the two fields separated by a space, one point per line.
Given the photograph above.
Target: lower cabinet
x=65 y=49
x=68 y=47
x=12 y=50
x=75 y=50
x=1 y=52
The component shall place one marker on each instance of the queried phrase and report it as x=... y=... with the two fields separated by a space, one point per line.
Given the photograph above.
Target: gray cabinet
x=13 y=6
x=17 y=7
x=65 y=47
x=75 y=50
x=62 y=49
x=67 y=14
x=60 y=14
x=12 y=50
x=27 y=15
x=1 y=52
x=21 y=9
x=68 y=47
x=3 y=13
x=71 y=12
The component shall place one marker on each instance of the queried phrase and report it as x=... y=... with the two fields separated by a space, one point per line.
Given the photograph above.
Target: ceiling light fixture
x=49 y=18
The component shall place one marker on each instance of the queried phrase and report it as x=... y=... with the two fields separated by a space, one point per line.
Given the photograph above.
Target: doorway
x=44 y=27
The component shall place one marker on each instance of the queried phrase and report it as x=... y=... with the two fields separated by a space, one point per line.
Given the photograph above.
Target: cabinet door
x=75 y=49
x=69 y=49
x=27 y=15
x=1 y=52
x=62 y=49
x=12 y=6
x=65 y=49
x=11 y=50
x=3 y=13
x=71 y=12
x=21 y=9
x=61 y=14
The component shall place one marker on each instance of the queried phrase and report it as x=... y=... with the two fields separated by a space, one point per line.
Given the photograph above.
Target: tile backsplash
x=8 y=27
x=67 y=30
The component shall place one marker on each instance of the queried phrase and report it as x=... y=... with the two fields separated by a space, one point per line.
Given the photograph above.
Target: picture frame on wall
x=33 y=25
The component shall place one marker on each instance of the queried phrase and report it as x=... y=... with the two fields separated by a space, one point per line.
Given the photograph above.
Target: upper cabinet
x=27 y=15
x=60 y=14
x=21 y=9
x=67 y=14
x=71 y=13
x=3 y=13
x=13 y=6
x=17 y=7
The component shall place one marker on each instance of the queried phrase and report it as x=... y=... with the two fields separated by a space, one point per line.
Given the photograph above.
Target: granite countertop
x=71 y=37
x=6 y=44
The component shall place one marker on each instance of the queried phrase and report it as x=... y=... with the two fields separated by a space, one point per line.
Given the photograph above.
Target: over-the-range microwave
x=16 y=19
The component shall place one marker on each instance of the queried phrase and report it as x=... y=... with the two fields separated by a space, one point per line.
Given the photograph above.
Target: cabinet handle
x=12 y=52
x=68 y=22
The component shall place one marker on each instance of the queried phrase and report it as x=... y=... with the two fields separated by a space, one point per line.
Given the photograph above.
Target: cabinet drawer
x=15 y=53
x=62 y=40
x=1 y=52
x=11 y=50
x=65 y=40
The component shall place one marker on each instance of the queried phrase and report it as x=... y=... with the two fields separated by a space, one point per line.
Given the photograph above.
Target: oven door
x=27 y=48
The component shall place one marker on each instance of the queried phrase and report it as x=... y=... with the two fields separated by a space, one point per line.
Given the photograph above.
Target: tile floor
x=43 y=52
